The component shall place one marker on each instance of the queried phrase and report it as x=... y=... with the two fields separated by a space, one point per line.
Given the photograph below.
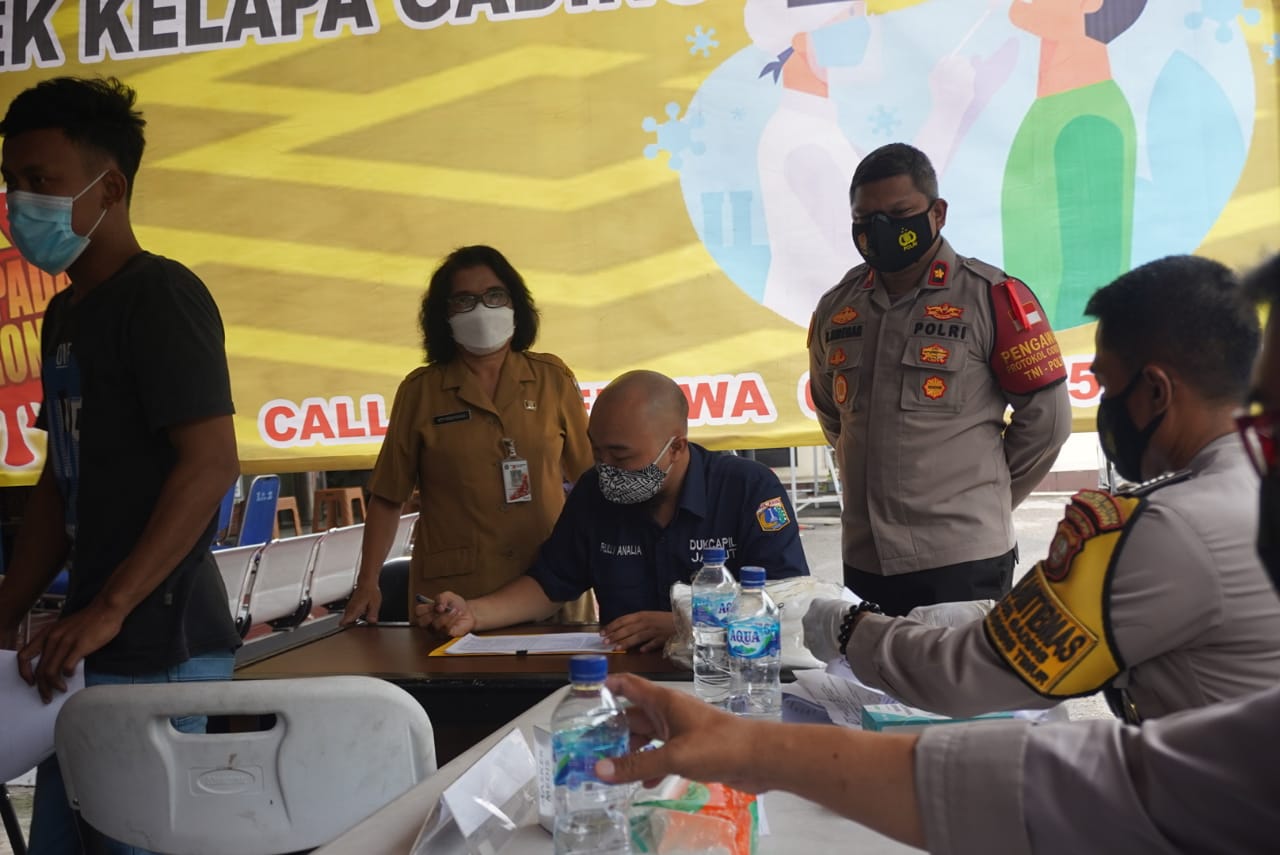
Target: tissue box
x=900 y=718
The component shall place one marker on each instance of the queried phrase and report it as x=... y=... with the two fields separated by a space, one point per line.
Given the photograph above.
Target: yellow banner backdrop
x=670 y=176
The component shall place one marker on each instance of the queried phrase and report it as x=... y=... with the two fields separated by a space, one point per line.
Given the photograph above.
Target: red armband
x=1025 y=357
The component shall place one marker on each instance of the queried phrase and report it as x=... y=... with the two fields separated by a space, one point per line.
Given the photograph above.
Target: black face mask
x=1122 y=441
x=1269 y=527
x=890 y=244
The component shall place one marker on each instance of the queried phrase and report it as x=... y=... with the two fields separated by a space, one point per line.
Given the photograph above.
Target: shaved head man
x=638 y=521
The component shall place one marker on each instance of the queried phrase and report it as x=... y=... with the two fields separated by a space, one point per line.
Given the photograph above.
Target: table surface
x=795 y=825
x=399 y=653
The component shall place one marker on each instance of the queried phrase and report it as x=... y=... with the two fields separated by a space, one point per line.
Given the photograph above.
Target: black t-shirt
x=140 y=353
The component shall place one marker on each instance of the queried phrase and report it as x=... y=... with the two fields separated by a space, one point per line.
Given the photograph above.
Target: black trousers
x=987 y=578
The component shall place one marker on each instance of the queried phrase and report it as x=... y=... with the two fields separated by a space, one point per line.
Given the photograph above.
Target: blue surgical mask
x=41 y=228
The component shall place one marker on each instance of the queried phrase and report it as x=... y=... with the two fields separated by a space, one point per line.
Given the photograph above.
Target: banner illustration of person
x=1029 y=117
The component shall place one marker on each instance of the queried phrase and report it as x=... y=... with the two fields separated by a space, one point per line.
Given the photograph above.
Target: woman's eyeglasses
x=493 y=298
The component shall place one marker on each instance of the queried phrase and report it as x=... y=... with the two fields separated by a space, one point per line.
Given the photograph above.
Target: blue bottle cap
x=714 y=555
x=751 y=577
x=588 y=668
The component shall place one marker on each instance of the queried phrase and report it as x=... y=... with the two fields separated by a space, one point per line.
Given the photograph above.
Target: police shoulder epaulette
x=855 y=276
x=1146 y=488
x=989 y=272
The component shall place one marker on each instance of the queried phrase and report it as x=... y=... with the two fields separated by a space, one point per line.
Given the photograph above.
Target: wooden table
x=467 y=697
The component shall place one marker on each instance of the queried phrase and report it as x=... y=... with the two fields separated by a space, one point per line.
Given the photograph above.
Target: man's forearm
x=519 y=601
x=38 y=555
x=869 y=778
x=1040 y=425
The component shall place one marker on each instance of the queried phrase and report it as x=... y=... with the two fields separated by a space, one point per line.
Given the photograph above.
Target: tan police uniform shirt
x=1202 y=781
x=1192 y=614
x=912 y=395
x=446 y=437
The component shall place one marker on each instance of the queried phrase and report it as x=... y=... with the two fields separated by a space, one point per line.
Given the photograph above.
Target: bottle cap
x=588 y=668
x=714 y=555
x=751 y=577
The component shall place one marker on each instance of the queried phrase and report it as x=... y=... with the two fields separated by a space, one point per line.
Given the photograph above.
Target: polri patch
x=460 y=416
x=772 y=515
x=938 y=274
x=838 y=357
x=840 y=388
x=934 y=387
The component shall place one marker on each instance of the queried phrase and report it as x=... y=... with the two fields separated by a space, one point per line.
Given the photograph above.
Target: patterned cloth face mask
x=627 y=487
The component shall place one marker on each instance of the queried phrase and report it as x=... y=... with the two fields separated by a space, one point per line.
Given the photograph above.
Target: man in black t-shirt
x=137 y=406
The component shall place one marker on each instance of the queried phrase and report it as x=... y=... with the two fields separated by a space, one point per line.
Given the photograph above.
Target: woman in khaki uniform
x=487 y=431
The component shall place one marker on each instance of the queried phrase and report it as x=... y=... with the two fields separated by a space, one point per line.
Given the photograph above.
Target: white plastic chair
x=333 y=571
x=404 y=536
x=236 y=567
x=279 y=585
x=341 y=748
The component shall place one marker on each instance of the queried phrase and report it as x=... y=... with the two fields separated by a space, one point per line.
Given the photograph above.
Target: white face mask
x=484 y=330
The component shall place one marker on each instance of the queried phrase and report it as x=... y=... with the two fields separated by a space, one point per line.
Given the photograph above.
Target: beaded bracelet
x=846 y=625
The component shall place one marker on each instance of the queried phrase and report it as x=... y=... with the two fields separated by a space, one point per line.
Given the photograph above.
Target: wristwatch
x=846 y=625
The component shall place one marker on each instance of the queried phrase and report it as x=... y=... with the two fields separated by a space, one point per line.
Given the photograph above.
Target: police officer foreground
x=1201 y=781
x=638 y=522
x=1157 y=594
x=913 y=359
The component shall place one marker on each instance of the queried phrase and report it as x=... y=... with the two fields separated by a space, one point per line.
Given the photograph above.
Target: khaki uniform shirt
x=446 y=437
x=1202 y=781
x=1192 y=612
x=913 y=395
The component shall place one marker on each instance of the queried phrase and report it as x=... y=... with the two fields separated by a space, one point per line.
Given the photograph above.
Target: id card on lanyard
x=515 y=475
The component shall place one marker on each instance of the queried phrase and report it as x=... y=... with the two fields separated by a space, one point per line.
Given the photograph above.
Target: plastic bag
x=793 y=597
x=685 y=816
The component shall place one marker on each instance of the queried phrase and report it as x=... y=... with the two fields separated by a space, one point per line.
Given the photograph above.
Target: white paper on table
x=26 y=722
x=554 y=642
x=491 y=782
x=842 y=698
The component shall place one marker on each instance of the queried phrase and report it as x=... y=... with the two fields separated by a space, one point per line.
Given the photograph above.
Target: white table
x=795 y=825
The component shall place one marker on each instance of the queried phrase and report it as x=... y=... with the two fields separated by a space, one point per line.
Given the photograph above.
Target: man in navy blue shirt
x=638 y=522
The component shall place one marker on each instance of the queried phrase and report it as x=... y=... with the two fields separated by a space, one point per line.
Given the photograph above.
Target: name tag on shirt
x=460 y=416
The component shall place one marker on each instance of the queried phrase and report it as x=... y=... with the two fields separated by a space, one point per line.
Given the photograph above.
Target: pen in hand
x=427 y=601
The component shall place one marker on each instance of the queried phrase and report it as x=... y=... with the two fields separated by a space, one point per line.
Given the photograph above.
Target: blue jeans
x=53 y=823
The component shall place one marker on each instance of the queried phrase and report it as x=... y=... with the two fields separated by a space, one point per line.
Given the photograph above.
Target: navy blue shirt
x=632 y=562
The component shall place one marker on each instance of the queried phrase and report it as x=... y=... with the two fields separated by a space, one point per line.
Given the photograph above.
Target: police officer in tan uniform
x=1202 y=781
x=1156 y=595
x=488 y=431
x=913 y=359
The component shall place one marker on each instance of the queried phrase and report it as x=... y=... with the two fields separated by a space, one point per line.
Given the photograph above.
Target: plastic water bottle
x=591 y=816
x=755 y=657
x=714 y=593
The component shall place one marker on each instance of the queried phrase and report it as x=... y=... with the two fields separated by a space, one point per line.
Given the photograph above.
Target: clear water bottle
x=714 y=593
x=591 y=816
x=755 y=655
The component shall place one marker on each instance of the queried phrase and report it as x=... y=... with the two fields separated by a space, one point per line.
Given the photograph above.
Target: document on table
x=842 y=698
x=554 y=642
x=26 y=736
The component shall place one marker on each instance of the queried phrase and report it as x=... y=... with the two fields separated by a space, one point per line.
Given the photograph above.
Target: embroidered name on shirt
x=452 y=417
x=697 y=544
x=621 y=550
x=839 y=333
